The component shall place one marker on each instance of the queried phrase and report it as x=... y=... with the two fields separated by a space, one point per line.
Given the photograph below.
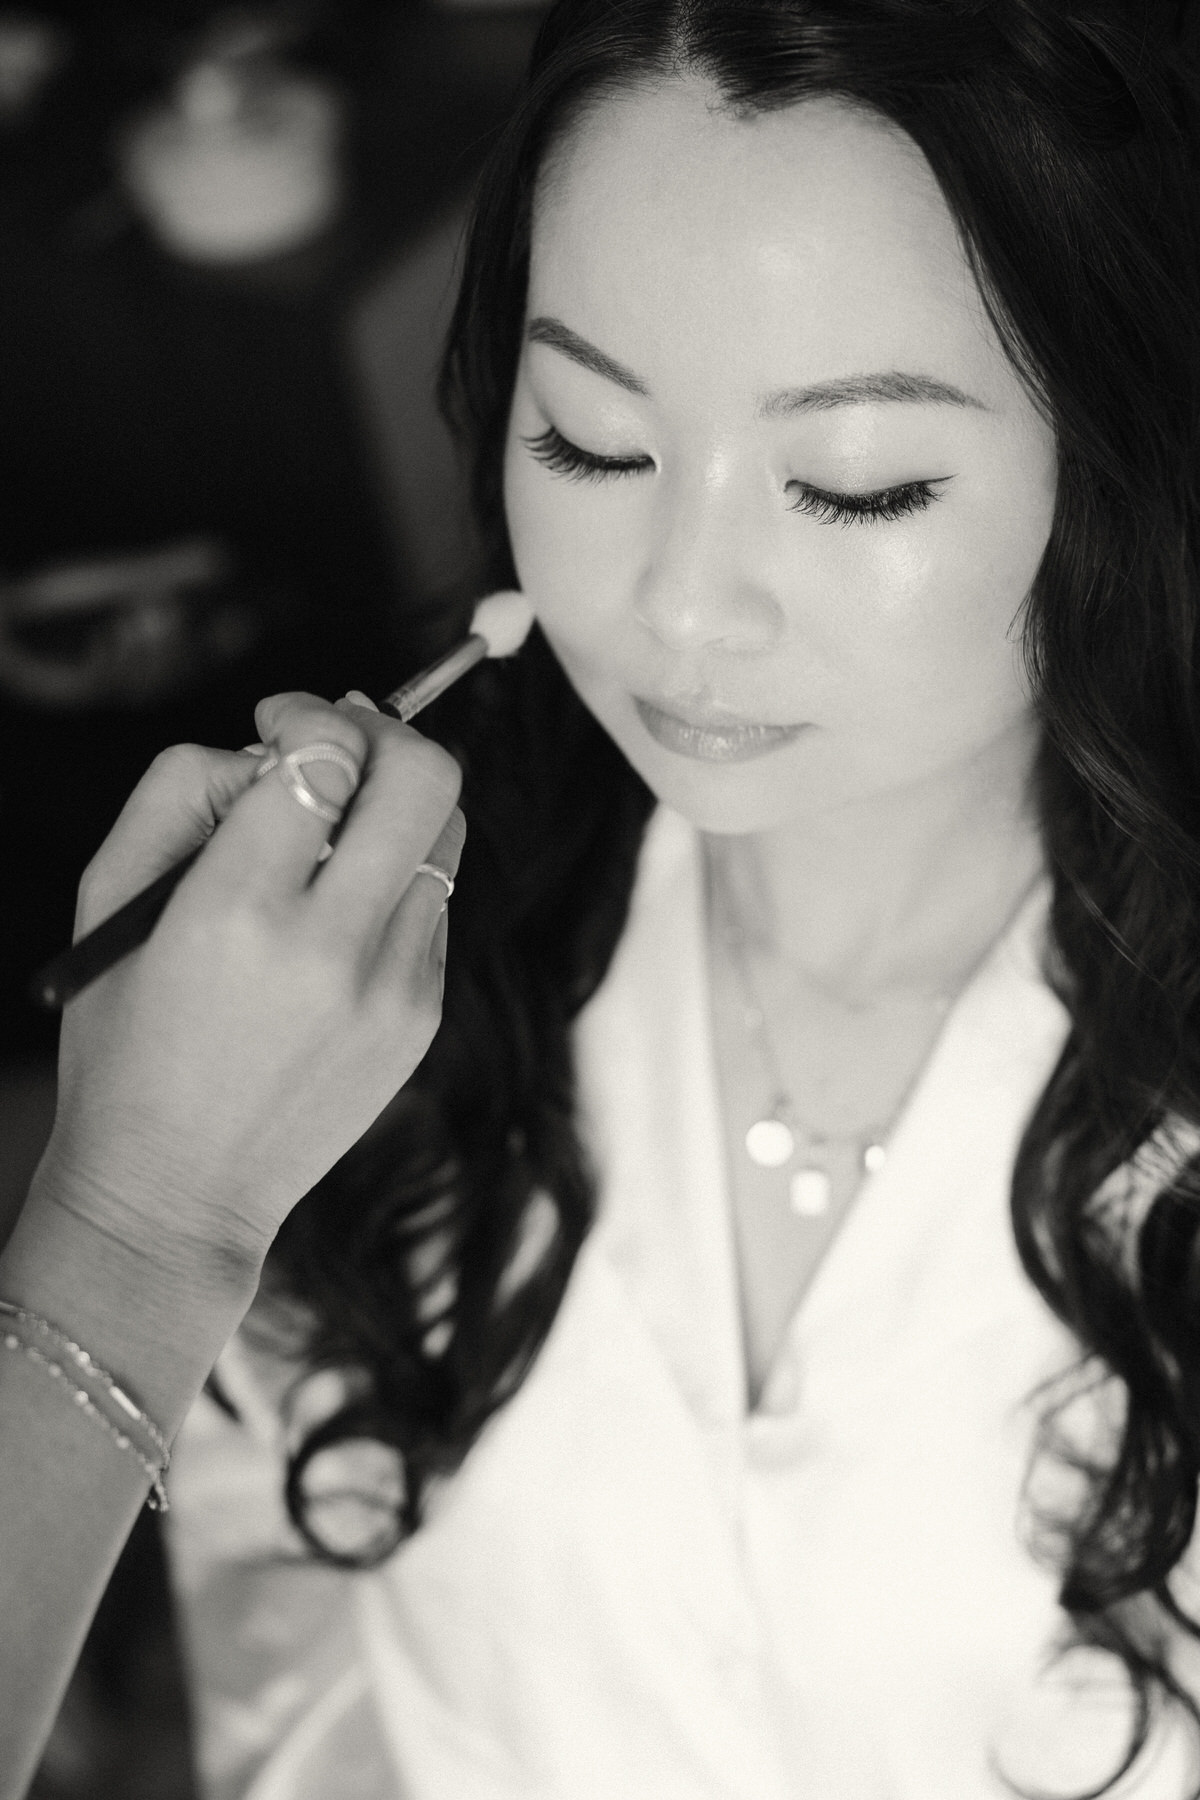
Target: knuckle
x=300 y=718
x=185 y=766
x=422 y=772
x=270 y=710
x=435 y=771
x=350 y=734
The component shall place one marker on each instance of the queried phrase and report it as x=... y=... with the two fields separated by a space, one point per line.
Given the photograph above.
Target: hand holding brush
x=498 y=628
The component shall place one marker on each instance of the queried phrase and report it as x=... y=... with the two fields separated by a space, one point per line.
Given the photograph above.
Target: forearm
x=206 y=1082
x=68 y=1494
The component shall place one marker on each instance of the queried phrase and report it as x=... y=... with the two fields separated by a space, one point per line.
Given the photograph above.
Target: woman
x=832 y=376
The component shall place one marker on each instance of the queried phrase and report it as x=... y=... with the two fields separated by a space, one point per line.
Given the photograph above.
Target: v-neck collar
x=927 y=1238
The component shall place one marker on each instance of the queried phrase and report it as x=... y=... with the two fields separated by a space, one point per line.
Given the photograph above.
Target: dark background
x=266 y=423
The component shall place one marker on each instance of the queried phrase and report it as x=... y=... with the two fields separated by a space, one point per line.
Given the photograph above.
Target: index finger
x=409 y=789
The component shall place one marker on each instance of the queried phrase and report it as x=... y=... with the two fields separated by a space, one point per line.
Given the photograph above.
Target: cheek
x=984 y=580
x=964 y=571
x=883 y=621
x=563 y=549
x=937 y=647
x=541 y=545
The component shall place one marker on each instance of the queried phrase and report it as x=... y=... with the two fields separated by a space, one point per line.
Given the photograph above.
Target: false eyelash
x=849 y=509
x=562 y=457
x=565 y=458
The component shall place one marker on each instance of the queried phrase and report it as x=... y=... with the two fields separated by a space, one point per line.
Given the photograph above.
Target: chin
x=729 y=802
x=725 y=820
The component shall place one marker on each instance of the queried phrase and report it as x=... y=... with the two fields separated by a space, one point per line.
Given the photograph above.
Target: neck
x=903 y=891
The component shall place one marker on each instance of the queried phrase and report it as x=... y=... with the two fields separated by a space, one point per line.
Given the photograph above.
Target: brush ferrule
x=410 y=699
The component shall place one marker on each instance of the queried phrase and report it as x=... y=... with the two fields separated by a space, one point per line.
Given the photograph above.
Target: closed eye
x=562 y=457
x=565 y=458
x=851 y=509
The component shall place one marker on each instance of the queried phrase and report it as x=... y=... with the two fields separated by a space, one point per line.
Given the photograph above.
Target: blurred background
x=229 y=239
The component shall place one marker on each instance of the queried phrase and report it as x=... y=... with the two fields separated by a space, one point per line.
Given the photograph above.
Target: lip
x=713 y=740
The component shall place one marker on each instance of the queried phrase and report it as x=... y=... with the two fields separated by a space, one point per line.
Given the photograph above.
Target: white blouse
x=634 y=1591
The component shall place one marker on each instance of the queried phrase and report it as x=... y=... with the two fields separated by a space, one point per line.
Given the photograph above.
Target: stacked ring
x=291 y=769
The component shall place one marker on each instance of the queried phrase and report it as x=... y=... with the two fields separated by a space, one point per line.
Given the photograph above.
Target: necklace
x=777 y=1138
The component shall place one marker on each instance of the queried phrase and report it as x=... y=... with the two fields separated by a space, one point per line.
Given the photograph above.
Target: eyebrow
x=822 y=396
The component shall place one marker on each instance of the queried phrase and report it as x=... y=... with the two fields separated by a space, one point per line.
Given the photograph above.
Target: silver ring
x=446 y=880
x=291 y=769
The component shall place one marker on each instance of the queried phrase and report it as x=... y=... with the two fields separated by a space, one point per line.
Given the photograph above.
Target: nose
x=705 y=579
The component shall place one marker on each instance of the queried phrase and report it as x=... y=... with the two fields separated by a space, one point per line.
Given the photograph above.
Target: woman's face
x=773 y=489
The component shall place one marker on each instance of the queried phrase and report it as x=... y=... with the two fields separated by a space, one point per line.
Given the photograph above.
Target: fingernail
x=358 y=698
x=253 y=750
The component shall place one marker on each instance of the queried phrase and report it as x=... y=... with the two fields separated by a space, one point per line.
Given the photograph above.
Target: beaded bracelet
x=92 y=1389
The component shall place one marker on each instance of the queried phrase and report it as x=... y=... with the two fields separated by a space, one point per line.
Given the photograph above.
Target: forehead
x=799 y=244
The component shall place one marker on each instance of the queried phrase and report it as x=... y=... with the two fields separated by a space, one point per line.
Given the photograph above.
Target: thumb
x=173 y=810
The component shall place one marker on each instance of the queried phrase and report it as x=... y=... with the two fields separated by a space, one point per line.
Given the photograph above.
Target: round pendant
x=769 y=1143
x=809 y=1192
x=874 y=1157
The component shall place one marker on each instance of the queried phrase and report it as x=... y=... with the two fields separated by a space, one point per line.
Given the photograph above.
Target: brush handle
x=121 y=932
x=61 y=979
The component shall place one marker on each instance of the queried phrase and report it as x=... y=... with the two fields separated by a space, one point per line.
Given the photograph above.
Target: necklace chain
x=778 y=1139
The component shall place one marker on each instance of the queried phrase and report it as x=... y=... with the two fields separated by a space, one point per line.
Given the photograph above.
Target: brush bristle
x=504 y=620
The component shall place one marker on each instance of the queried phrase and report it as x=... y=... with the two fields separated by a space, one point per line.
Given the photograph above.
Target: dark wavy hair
x=431 y=1261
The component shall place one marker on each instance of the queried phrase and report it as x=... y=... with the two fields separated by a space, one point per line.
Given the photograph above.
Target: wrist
x=157 y=1323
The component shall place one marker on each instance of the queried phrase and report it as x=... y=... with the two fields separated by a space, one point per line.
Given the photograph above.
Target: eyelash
x=850 y=509
x=562 y=457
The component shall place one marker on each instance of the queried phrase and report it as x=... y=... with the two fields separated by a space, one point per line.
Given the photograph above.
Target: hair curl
x=1064 y=137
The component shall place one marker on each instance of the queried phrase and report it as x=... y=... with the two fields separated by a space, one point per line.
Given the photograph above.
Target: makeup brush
x=499 y=626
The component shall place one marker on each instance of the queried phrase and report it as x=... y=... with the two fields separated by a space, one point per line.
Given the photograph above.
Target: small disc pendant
x=769 y=1143
x=809 y=1192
